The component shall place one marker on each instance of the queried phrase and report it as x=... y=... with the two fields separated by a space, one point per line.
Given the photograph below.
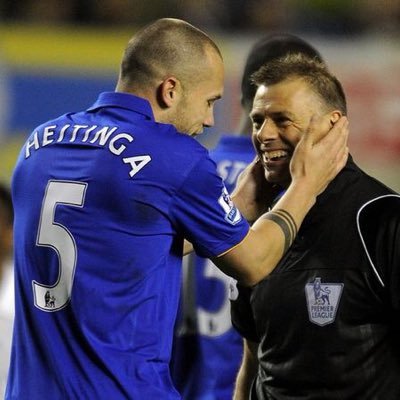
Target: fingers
x=315 y=130
x=335 y=143
x=253 y=172
x=320 y=131
x=341 y=159
x=323 y=153
x=337 y=135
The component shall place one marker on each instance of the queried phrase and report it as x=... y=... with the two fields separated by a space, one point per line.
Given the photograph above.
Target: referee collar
x=126 y=101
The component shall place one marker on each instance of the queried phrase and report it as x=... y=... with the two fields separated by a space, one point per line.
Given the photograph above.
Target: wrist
x=303 y=192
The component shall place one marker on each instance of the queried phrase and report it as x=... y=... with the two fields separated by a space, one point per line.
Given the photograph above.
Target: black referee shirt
x=327 y=317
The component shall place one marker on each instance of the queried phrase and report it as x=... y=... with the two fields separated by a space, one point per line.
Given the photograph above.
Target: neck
x=149 y=95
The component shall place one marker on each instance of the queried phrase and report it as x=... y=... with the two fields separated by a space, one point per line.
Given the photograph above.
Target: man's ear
x=335 y=116
x=169 y=92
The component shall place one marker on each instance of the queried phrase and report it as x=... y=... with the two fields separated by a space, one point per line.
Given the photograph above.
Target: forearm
x=243 y=384
x=269 y=237
x=288 y=214
x=293 y=206
x=247 y=372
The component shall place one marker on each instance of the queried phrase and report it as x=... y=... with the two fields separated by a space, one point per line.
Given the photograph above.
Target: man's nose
x=267 y=131
x=209 y=119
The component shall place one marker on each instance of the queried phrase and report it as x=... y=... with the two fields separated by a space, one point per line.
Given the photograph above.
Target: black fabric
x=379 y=223
x=328 y=328
x=242 y=315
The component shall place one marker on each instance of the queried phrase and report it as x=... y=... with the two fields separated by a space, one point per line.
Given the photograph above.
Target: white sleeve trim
x=362 y=238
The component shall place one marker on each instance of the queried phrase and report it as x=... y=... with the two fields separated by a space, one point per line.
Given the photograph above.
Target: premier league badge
x=323 y=301
x=232 y=214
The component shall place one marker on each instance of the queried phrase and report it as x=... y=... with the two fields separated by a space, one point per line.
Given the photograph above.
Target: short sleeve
x=205 y=212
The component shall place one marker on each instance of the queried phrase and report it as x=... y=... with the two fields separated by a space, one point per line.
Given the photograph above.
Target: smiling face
x=281 y=114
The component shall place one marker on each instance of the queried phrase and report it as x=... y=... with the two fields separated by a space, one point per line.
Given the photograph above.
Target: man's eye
x=282 y=121
x=257 y=123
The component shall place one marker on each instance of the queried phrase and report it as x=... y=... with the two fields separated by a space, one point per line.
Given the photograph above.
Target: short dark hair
x=313 y=72
x=6 y=203
x=267 y=49
x=167 y=45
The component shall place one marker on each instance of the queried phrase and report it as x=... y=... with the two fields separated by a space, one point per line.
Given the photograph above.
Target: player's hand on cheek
x=321 y=153
x=253 y=195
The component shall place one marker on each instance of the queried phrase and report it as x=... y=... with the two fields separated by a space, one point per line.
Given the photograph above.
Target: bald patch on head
x=168 y=47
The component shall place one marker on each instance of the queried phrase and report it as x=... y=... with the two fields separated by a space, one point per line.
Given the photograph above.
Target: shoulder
x=174 y=153
x=378 y=214
x=380 y=209
x=180 y=143
x=185 y=152
x=177 y=159
x=378 y=224
x=359 y=190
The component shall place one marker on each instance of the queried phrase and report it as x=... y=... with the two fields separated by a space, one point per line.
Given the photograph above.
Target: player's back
x=97 y=257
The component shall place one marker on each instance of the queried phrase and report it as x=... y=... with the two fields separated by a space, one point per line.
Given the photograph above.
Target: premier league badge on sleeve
x=232 y=214
x=323 y=301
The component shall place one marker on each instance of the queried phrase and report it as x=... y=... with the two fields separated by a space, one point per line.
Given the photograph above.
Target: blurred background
x=57 y=55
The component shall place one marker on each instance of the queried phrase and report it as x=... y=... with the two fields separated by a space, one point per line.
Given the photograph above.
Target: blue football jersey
x=207 y=350
x=103 y=200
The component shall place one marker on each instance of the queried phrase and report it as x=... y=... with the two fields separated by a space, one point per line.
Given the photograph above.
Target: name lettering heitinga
x=99 y=135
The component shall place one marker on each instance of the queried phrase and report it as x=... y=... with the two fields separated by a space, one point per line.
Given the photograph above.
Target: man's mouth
x=275 y=155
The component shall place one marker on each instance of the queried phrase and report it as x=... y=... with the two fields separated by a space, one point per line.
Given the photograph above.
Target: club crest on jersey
x=323 y=301
x=232 y=214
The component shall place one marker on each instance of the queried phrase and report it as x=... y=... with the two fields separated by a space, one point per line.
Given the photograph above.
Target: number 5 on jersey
x=59 y=238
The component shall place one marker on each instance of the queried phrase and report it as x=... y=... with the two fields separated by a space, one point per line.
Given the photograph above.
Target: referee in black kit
x=324 y=325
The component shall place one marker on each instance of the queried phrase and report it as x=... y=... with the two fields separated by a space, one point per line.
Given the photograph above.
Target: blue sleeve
x=206 y=214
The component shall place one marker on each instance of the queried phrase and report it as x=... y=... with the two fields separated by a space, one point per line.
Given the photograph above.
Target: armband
x=286 y=222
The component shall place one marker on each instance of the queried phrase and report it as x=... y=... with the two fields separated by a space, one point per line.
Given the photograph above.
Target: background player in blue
x=325 y=323
x=103 y=200
x=207 y=350
x=6 y=282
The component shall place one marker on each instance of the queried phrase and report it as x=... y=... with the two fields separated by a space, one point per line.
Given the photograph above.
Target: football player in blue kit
x=103 y=201
x=207 y=350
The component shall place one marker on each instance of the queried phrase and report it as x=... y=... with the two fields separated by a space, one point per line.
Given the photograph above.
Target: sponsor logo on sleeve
x=232 y=214
x=323 y=301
